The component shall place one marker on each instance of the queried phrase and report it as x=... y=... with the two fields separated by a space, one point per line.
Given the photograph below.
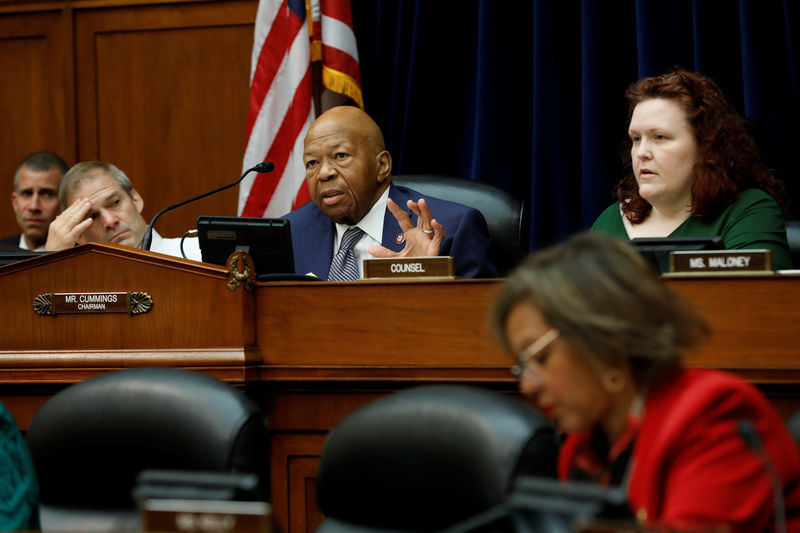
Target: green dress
x=754 y=220
x=19 y=491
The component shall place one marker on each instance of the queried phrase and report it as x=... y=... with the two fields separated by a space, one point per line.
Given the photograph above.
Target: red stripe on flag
x=291 y=127
x=341 y=61
x=276 y=45
x=303 y=196
x=287 y=29
x=338 y=10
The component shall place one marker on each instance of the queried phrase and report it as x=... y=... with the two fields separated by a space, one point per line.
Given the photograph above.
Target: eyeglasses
x=534 y=354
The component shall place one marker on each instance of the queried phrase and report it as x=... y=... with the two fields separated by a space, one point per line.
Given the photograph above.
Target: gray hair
x=89 y=170
x=607 y=302
x=40 y=162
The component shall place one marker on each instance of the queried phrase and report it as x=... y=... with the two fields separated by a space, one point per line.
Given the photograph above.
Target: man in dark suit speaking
x=348 y=173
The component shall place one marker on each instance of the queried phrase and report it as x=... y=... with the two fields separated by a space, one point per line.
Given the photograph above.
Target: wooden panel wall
x=36 y=98
x=158 y=88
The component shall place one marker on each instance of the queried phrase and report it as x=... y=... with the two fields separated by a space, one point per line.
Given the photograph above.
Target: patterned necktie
x=344 y=266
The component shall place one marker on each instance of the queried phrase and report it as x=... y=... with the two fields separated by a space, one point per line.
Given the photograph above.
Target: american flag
x=289 y=36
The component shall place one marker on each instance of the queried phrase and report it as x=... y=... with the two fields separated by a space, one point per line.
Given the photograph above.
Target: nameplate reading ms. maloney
x=133 y=303
x=721 y=261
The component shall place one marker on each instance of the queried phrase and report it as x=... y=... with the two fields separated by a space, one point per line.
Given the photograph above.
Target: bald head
x=351 y=120
x=347 y=165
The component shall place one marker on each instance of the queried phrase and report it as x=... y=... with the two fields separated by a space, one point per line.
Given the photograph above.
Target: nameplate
x=409 y=267
x=133 y=303
x=721 y=261
x=206 y=516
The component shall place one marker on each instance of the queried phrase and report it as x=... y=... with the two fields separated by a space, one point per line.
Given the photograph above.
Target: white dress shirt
x=372 y=226
x=191 y=246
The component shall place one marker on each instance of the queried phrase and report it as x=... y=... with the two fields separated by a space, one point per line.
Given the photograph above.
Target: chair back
x=504 y=214
x=793 y=425
x=428 y=457
x=89 y=441
x=793 y=236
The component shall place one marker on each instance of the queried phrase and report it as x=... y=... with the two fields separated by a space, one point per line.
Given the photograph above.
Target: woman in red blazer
x=599 y=339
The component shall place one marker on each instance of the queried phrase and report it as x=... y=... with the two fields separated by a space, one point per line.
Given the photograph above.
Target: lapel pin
x=400 y=239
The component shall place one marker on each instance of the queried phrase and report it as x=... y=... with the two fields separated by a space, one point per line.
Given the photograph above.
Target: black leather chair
x=429 y=457
x=793 y=236
x=89 y=441
x=793 y=424
x=505 y=215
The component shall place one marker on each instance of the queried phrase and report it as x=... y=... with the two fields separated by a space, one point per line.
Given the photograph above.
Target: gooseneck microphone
x=753 y=440
x=261 y=168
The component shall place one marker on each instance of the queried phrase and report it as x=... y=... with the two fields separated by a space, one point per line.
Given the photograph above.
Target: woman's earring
x=613 y=380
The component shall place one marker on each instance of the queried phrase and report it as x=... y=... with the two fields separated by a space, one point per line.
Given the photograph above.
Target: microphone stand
x=261 y=168
x=753 y=440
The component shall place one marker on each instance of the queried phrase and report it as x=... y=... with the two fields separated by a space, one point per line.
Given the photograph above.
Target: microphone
x=261 y=168
x=751 y=437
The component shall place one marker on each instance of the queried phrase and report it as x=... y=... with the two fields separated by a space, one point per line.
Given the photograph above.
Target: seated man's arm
x=469 y=245
x=468 y=242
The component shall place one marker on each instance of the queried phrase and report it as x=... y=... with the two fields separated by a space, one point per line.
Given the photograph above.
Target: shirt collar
x=24 y=245
x=371 y=223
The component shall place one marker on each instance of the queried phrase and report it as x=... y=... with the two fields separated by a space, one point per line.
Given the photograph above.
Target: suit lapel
x=391 y=229
x=319 y=250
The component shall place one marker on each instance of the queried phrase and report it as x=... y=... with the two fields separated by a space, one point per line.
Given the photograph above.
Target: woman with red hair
x=693 y=171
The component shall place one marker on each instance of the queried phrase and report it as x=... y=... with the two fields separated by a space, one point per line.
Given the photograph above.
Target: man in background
x=35 y=199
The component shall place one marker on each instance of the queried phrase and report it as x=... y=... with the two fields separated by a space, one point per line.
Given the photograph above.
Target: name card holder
x=133 y=303
x=728 y=261
x=206 y=516
x=409 y=267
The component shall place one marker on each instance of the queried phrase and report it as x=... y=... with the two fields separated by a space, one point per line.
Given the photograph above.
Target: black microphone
x=753 y=440
x=261 y=168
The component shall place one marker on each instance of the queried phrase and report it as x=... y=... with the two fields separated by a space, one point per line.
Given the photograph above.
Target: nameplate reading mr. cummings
x=133 y=303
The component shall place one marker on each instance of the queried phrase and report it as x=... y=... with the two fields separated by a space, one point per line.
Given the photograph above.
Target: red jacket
x=690 y=466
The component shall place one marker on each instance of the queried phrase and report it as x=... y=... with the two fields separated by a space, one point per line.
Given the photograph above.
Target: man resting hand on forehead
x=100 y=205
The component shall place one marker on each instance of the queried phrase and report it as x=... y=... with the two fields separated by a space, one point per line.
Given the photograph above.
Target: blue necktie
x=344 y=266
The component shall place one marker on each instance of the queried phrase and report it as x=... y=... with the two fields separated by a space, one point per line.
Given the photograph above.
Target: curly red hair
x=728 y=160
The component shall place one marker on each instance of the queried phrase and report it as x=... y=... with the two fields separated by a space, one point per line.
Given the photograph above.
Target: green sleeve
x=19 y=491
x=754 y=220
x=759 y=224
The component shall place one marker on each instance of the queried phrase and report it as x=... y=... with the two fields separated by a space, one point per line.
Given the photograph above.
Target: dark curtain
x=529 y=95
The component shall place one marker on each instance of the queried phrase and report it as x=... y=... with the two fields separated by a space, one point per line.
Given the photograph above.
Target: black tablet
x=656 y=249
x=267 y=240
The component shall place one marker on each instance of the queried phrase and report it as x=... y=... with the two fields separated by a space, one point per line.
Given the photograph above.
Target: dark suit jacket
x=10 y=241
x=466 y=235
x=690 y=466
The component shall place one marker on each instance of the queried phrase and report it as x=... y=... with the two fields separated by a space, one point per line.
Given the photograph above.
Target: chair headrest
x=92 y=438
x=429 y=456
